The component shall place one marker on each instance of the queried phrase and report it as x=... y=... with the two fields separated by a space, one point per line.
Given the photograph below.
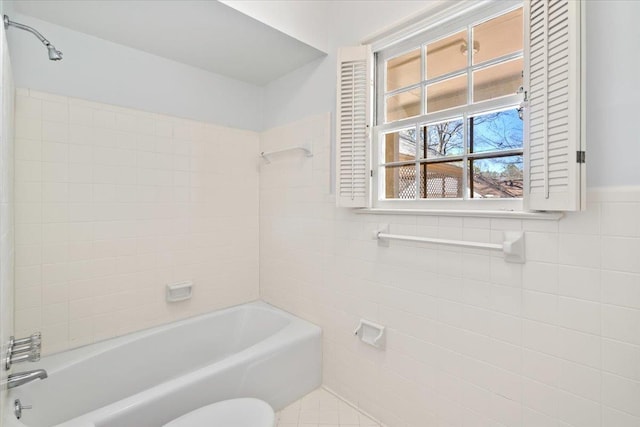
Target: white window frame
x=554 y=113
x=465 y=19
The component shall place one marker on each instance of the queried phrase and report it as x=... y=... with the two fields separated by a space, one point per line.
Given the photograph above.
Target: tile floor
x=322 y=409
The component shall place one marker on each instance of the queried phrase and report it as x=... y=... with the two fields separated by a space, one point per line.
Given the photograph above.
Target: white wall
x=307 y=21
x=311 y=89
x=471 y=340
x=613 y=67
x=112 y=204
x=613 y=64
x=103 y=71
x=7 y=231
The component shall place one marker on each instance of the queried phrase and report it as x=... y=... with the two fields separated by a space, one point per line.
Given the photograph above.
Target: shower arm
x=8 y=22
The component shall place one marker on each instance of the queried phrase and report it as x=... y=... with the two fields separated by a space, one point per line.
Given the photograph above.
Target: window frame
x=465 y=18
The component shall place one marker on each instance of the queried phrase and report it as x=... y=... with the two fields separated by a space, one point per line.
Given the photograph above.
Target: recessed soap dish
x=179 y=291
x=371 y=333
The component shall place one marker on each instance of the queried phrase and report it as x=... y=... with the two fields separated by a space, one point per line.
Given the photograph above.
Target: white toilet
x=243 y=412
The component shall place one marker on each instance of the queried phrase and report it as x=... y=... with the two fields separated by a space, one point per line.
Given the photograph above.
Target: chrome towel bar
x=266 y=154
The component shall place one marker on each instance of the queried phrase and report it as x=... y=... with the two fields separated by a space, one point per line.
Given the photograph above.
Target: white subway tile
x=28 y=107
x=621 y=288
x=613 y=417
x=28 y=128
x=28 y=192
x=579 y=249
x=579 y=314
x=54 y=192
x=621 y=358
x=540 y=306
x=28 y=149
x=621 y=393
x=580 y=380
x=55 y=132
x=81 y=115
x=542 y=247
x=28 y=171
x=621 y=323
x=55 y=212
x=584 y=223
x=28 y=213
x=28 y=276
x=540 y=337
x=55 y=111
x=55 y=313
x=580 y=347
x=620 y=219
x=539 y=396
x=542 y=277
x=621 y=254
x=53 y=151
x=579 y=282
x=578 y=411
x=30 y=297
x=29 y=255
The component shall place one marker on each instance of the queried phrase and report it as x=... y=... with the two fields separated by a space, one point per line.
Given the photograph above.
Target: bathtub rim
x=58 y=361
x=296 y=330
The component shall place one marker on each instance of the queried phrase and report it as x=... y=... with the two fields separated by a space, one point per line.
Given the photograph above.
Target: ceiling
x=204 y=34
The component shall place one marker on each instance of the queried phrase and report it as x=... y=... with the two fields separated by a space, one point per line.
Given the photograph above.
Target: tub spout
x=16 y=380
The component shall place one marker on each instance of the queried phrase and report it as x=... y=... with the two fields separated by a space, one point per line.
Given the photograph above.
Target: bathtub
x=148 y=378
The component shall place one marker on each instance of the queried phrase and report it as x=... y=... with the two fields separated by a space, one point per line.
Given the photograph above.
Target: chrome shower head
x=54 y=54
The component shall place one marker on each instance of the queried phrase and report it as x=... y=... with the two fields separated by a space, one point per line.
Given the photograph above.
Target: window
x=480 y=109
x=448 y=121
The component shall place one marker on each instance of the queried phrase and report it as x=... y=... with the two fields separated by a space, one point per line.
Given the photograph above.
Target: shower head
x=54 y=54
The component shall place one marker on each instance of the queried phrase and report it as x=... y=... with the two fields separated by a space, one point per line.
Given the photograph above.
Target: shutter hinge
x=580 y=157
x=371 y=173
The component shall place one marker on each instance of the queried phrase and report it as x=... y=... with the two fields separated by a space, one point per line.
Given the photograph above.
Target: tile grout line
x=342 y=399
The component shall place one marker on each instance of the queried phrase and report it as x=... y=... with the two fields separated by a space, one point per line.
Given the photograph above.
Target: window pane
x=496 y=178
x=447 y=94
x=404 y=70
x=499 y=80
x=495 y=131
x=400 y=182
x=498 y=37
x=400 y=146
x=446 y=55
x=444 y=139
x=403 y=105
x=441 y=180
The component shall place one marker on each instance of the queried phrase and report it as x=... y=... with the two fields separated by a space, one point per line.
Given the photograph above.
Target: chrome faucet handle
x=18 y=407
x=27 y=348
x=30 y=355
x=34 y=338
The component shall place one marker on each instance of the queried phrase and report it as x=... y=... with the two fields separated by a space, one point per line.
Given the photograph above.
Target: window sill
x=547 y=216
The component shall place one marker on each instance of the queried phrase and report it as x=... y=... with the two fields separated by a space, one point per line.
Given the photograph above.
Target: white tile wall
x=472 y=341
x=112 y=204
x=7 y=204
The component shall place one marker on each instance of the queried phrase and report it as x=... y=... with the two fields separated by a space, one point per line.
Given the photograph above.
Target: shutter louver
x=353 y=124
x=553 y=119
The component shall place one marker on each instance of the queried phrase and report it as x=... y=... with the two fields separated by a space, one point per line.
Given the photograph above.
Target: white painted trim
x=549 y=216
x=428 y=18
x=628 y=194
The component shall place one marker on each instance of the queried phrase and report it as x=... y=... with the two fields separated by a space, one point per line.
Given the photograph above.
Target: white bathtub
x=148 y=378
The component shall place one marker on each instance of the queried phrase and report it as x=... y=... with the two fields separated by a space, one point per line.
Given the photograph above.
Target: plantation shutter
x=554 y=118
x=353 y=125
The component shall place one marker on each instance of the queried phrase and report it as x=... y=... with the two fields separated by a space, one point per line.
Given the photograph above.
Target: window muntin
x=454 y=132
